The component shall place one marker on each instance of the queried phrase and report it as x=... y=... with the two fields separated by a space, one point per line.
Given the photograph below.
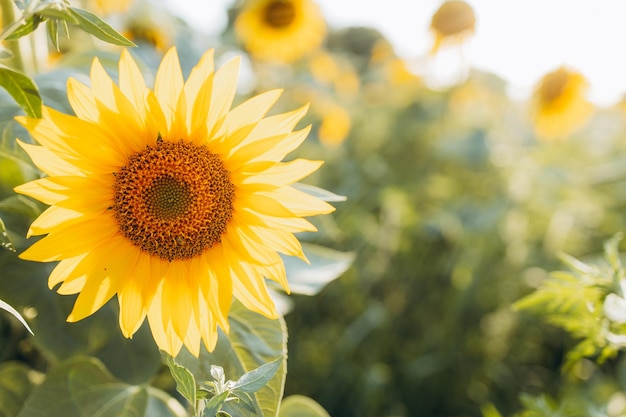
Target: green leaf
x=253 y=341
x=215 y=404
x=27 y=28
x=16 y=382
x=92 y=24
x=318 y=192
x=17 y=315
x=301 y=406
x=185 y=382
x=5 y=241
x=84 y=387
x=325 y=266
x=22 y=89
x=254 y=380
x=52 y=27
x=59 y=13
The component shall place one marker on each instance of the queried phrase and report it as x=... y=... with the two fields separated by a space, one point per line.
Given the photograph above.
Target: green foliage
x=577 y=302
x=84 y=387
x=300 y=406
x=260 y=372
x=22 y=89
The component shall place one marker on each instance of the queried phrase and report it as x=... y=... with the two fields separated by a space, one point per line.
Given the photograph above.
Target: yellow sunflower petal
x=168 y=85
x=48 y=161
x=82 y=100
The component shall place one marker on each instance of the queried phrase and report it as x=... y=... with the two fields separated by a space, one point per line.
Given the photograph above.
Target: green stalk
x=8 y=20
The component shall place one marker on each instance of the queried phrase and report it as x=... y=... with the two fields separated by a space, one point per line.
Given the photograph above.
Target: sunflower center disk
x=173 y=200
x=553 y=85
x=279 y=14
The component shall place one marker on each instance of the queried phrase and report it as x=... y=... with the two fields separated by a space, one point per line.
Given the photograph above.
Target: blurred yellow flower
x=559 y=106
x=168 y=198
x=145 y=31
x=280 y=30
x=335 y=125
x=336 y=71
x=453 y=22
x=112 y=6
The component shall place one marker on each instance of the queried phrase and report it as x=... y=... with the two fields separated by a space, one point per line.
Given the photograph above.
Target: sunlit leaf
x=253 y=341
x=254 y=380
x=325 y=266
x=92 y=24
x=5 y=241
x=7 y=307
x=301 y=406
x=16 y=382
x=52 y=28
x=31 y=24
x=215 y=404
x=22 y=89
x=318 y=192
x=185 y=382
x=84 y=387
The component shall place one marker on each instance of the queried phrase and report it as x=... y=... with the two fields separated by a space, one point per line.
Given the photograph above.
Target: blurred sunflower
x=112 y=6
x=144 y=31
x=280 y=30
x=452 y=23
x=559 y=106
x=168 y=198
x=335 y=125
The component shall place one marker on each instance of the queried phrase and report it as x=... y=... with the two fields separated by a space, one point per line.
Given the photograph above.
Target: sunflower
x=112 y=6
x=559 y=106
x=280 y=30
x=453 y=22
x=168 y=198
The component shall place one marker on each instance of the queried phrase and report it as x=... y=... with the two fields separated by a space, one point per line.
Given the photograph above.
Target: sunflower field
x=289 y=219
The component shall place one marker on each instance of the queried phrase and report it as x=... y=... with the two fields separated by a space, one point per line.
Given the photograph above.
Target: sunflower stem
x=8 y=22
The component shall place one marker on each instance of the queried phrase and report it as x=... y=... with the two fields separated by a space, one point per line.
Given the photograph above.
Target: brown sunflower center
x=279 y=14
x=553 y=85
x=173 y=200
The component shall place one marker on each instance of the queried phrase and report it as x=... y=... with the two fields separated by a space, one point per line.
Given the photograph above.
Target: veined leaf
x=254 y=380
x=84 y=387
x=92 y=24
x=26 y=28
x=22 y=89
x=185 y=382
x=215 y=404
x=253 y=341
x=16 y=382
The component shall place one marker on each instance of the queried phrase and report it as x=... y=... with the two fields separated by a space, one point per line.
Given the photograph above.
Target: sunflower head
x=335 y=125
x=559 y=106
x=112 y=6
x=168 y=198
x=280 y=30
x=453 y=22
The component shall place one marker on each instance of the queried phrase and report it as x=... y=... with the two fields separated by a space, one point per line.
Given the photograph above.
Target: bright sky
x=520 y=40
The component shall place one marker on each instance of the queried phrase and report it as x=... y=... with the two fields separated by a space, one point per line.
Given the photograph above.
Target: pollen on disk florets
x=174 y=199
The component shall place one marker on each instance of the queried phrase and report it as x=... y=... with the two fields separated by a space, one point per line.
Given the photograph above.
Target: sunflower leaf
x=301 y=406
x=16 y=382
x=84 y=387
x=22 y=89
x=26 y=28
x=215 y=404
x=52 y=27
x=6 y=307
x=92 y=24
x=325 y=265
x=254 y=380
x=318 y=192
x=185 y=382
x=5 y=241
x=253 y=341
